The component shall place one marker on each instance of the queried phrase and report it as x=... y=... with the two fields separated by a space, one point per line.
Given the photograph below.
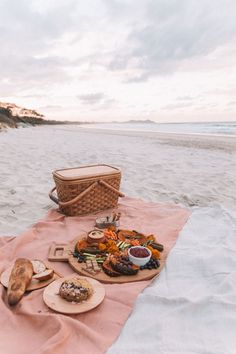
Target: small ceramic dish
x=139 y=261
x=103 y=223
x=95 y=236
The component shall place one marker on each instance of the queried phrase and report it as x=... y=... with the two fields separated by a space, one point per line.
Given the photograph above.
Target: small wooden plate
x=34 y=285
x=53 y=300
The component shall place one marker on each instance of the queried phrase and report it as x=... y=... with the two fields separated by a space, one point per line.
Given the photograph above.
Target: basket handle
x=111 y=188
x=53 y=197
x=78 y=197
x=74 y=200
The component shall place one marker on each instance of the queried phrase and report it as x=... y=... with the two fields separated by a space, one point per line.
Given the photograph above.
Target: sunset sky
x=104 y=60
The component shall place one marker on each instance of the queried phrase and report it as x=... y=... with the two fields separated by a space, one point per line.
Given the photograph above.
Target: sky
x=116 y=60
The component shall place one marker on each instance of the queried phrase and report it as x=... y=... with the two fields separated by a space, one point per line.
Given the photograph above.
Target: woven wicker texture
x=98 y=198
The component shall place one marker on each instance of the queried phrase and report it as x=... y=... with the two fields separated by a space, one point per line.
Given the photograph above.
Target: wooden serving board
x=64 y=253
x=53 y=300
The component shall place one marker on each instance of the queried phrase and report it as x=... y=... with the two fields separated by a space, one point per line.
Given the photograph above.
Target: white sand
x=191 y=170
x=190 y=308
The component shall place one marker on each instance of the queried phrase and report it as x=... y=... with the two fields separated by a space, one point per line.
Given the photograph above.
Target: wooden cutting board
x=64 y=253
x=34 y=284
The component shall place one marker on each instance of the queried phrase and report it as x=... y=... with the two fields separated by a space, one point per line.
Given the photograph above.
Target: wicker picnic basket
x=86 y=189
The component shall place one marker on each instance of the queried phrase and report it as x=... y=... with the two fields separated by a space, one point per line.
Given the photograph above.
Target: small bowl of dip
x=139 y=255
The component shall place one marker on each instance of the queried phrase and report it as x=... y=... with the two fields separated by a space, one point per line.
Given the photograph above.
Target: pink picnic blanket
x=32 y=328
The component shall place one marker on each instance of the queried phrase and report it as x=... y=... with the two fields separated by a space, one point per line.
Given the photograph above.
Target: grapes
x=80 y=257
x=152 y=264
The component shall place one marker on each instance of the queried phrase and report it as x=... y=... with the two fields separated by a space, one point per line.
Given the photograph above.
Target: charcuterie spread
x=115 y=251
x=112 y=254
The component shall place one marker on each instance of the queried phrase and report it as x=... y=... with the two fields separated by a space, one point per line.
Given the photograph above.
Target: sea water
x=219 y=128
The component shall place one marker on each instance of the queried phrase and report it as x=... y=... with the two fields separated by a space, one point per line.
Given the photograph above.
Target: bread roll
x=20 y=278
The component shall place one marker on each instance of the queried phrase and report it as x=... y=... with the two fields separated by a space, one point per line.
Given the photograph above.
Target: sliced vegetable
x=157 y=246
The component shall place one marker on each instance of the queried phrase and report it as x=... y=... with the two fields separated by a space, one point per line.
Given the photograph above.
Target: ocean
x=219 y=128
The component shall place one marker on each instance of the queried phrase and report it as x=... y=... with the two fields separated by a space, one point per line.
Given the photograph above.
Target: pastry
x=75 y=289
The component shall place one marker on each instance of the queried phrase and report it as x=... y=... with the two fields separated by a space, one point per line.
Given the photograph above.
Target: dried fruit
x=109 y=270
x=118 y=264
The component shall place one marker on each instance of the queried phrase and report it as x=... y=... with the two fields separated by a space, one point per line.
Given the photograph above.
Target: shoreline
x=189 y=170
x=87 y=126
x=205 y=141
x=143 y=132
x=158 y=132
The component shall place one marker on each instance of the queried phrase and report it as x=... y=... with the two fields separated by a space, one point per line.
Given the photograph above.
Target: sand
x=191 y=170
x=190 y=307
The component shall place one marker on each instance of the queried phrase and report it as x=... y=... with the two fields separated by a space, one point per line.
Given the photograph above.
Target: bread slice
x=46 y=275
x=38 y=266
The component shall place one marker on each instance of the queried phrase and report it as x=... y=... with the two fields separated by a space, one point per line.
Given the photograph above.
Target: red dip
x=139 y=252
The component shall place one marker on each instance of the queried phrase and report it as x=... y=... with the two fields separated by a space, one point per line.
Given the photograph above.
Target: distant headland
x=13 y=116
x=133 y=121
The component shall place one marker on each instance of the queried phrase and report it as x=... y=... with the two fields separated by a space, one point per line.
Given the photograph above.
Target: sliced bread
x=46 y=275
x=38 y=266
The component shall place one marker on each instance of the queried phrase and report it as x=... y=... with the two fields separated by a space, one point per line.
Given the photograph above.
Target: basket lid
x=85 y=172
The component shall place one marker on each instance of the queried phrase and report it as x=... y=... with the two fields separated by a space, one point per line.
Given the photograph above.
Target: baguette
x=20 y=278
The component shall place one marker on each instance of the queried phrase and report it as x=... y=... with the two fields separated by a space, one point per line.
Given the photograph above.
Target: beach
x=192 y=170
x=190 y=306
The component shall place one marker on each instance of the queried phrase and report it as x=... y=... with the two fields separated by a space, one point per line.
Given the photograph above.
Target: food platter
x=34 y=284
x=145 y=274
x=53 y=300
x=64 y=252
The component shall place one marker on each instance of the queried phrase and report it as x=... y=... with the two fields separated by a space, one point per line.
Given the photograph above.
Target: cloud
x=231 y=103
x=138 y=39
x=173 y=31
x=177 y=106
x=91 y=98
x=26 y=36
x=53 y=50
x=51 y=107
x=185 y=98
x=98 y=100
